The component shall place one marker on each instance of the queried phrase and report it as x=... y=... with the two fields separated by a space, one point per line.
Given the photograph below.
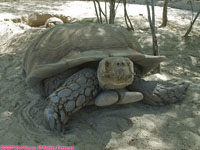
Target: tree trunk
x=190 y=28
x=97 y=14
x=164 y=17
x=126 y=17
x=153 y=32
x=112 y=12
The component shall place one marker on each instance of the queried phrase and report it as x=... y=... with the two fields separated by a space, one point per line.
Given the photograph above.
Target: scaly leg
x=77 y=91
x=159 y=93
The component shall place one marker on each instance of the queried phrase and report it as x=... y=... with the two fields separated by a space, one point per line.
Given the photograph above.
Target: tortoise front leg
x=77 y=91
x=159 y=93
x=122 y=96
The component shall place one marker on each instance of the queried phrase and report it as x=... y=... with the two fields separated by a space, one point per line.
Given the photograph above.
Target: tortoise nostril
x=118 y=64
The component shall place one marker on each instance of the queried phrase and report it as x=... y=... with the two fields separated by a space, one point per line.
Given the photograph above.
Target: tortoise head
x=115 y=72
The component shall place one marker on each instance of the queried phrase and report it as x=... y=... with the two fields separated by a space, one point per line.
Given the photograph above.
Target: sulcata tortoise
x=74 y=65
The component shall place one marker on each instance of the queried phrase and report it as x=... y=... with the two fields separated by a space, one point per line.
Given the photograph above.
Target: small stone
x=64 y=93
x=80 y=100
x=54 y=99
x=69 y=106
x=88 y=91
x=82 y=80
x=74 y=86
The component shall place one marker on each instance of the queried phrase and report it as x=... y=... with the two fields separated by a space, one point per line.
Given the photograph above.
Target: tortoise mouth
x=115 y=82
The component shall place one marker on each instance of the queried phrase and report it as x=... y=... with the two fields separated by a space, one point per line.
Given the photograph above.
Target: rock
x=53 y=21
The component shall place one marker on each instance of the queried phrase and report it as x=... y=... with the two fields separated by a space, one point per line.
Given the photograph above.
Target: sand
x=120 y=127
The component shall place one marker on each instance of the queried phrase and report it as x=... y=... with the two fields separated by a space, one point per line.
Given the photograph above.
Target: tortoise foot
x=159 y=93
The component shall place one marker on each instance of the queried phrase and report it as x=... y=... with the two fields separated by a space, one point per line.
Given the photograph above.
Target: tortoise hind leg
x=77 y=91
x=159 y=93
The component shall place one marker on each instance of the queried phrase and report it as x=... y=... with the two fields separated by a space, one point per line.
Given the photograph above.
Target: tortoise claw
x=49 y=118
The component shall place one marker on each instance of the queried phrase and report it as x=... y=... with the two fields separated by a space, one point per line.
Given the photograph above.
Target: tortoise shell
x=69 y=45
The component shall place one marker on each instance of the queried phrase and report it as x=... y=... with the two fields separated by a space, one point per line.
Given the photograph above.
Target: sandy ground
x=125 y=127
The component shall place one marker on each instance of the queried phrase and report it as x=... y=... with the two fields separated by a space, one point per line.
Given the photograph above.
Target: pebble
x=64 y=93
x=80 y=100
x=70 y=106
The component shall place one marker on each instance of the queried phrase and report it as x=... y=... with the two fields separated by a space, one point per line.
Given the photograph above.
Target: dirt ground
x=126 y=127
